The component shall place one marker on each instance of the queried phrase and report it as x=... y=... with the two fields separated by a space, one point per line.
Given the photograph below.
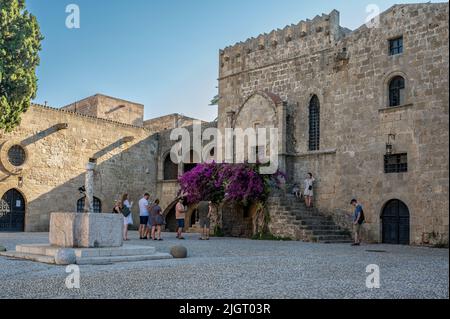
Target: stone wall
x=168 y=122
x=109 y=108
x=57 y=157
x=349 y=72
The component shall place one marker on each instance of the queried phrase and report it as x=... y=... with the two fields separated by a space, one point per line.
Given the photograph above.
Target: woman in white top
x=309 y=192
x=129 y=219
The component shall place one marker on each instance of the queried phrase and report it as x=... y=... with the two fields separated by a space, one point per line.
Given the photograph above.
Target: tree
x=20 y=43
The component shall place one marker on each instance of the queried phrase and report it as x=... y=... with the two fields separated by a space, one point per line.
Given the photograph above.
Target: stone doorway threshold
x=86 y=256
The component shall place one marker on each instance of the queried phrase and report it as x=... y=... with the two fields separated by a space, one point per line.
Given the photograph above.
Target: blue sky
x=161 y=53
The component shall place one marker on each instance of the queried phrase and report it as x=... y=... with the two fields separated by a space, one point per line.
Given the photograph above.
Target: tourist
x=117 y=209
x=157 y=220
x=309 y=192
x=358 y=221
x=204 y=213
x=127 y=215
x=180 y=215
x=143 y=216
x=296 y=191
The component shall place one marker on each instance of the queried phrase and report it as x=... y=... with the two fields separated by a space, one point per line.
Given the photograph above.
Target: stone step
x=329 y=232
x=116 y=259
x=32 y=257
x=331 y=238
x=126 y=250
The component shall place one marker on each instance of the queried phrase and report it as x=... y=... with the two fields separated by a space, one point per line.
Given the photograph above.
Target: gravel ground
x=237 y=268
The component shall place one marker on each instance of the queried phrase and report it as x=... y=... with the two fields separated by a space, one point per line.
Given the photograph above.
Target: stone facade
x=350 y=72
x=270 y=81
x=109 y=108
x=58 y=145
x=168 y=122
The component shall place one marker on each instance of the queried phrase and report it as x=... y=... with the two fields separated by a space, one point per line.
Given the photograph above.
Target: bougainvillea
x=237 y=183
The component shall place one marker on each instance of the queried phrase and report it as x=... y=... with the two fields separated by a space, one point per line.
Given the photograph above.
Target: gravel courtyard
x=237 y=268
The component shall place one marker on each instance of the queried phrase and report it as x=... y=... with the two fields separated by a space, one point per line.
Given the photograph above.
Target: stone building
x=365 y=111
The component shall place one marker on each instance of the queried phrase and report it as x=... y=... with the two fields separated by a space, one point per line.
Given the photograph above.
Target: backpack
x=362 y=217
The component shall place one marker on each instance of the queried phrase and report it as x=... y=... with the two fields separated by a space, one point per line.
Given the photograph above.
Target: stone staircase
x=290 y=218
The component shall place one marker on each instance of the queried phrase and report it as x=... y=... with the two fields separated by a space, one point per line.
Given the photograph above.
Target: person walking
x=127 y=215
x=358 y=221
x=309 y=192
x=180 y=214
x=143 y=216
x=204 y=213
x=157 y=220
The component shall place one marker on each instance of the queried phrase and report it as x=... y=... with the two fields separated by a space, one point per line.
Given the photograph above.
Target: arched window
x=314 y=124
x=192 y=162
x=170 y=169
x=97 y=205
x=397 y=91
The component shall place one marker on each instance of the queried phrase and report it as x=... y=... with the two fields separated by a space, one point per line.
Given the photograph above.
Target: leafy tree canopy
x=20 y=43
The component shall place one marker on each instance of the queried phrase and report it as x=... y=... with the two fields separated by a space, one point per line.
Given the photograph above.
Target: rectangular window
x=396 y=163
x=396 y=46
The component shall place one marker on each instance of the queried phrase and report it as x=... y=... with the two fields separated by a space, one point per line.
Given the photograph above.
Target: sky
x=161 y=53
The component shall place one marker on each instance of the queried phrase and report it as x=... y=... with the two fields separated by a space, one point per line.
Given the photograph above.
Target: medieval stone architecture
x=365 y=111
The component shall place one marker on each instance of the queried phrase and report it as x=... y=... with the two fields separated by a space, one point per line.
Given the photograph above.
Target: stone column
x=89 y=186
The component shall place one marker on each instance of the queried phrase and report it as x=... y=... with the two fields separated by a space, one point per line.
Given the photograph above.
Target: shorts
x=357 y=229
x=180 y=223
x=308 y=193
x=204 y=223
x=144 y=220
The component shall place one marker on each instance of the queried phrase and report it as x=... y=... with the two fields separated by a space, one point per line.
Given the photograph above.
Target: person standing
x=204 y=213
x=180 y=214
x=127 y=215
x=143 y=215
x=358 y=221
x=156 y=220
x=117 y=209
x=309 y=192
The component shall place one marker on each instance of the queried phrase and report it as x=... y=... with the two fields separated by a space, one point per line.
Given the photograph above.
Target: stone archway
x=12 y=211
x=395 y=223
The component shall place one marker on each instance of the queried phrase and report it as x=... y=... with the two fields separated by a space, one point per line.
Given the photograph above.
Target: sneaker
x=160 y=239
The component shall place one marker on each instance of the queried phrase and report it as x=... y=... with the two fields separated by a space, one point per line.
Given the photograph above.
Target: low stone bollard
x=65 y=257
x=2 y=249
x=178 y=252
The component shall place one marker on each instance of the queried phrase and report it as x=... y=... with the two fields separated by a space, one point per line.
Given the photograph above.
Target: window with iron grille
x=396 y=46
x=314 y=124
x=397 y=91
x=396 y=163
x=97 y=205
x=16 y=155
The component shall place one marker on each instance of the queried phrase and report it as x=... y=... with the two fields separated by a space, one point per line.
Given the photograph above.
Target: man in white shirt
x=144 y=215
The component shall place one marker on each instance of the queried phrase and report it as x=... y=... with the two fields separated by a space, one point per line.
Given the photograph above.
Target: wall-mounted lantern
x=389 y=145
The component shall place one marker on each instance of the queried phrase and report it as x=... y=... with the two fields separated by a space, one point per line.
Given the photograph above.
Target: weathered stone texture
x=75 y=230
x=57 y=163
x=349 y=73
x=109 y=108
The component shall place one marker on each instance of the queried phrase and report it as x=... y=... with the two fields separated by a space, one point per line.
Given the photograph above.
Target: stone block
x=79 y=230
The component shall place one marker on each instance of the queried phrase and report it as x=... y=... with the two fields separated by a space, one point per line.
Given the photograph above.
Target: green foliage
x=218 y=232
x=20 y=43
x=215 y=100
x=269 y=236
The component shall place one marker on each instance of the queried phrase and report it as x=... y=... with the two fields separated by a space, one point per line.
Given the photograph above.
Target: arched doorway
x=12 y=211
x=395 y=223
x=170 y=218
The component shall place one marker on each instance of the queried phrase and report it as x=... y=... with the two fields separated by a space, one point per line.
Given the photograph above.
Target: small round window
x=16 y=155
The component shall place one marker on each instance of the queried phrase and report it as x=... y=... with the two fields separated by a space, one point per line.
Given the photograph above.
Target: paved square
x=237 y=268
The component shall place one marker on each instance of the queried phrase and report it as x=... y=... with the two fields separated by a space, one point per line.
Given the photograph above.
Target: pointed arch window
x=170 y=169
x=314 y=124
